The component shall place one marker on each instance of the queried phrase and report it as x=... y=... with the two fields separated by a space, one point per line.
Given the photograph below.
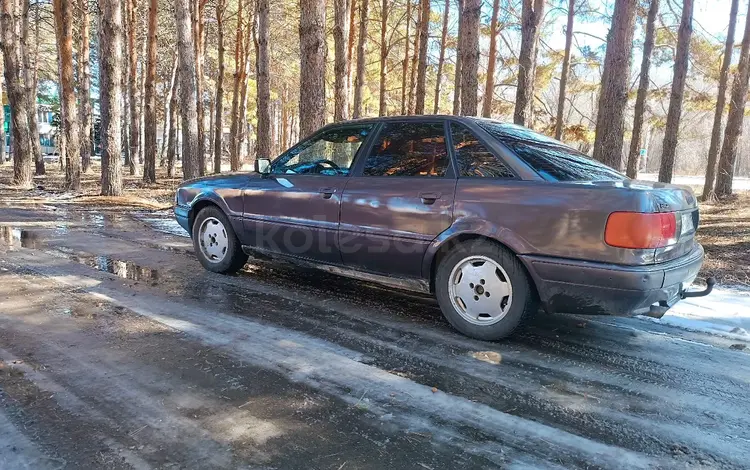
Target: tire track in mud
x=333 y=370
x=191 y=405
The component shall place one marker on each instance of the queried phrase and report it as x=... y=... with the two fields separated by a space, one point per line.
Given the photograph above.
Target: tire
x=217 y=248
x=464 y=286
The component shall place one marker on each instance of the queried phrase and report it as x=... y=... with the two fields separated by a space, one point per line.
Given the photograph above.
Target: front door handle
x=429 y=198
x=327 y=192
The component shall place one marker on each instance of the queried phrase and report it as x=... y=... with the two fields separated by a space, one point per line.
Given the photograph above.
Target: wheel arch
x=440 y=248
x=199 y=205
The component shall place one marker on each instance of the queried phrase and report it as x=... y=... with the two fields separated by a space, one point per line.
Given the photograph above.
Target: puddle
x=120 y=268
x=13 y=238
x=164 y=223
x=101 y=219
x=19 y=238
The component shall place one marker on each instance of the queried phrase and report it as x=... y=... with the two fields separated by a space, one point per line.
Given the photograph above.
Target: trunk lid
x=651 y=196
x=666 y=197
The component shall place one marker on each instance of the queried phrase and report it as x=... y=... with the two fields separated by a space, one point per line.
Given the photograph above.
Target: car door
x=295 y=209
x=399 y=200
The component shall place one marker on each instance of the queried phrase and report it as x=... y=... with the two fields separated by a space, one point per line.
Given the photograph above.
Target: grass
x=49 y=188
x=724 y=232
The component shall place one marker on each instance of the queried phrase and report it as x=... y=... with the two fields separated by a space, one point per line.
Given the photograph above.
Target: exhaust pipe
x=658 y=310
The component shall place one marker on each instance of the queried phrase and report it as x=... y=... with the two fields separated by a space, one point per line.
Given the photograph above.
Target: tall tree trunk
x=243 y=106
x=383 y=106
x=470 y=57
x=359 y=79
x=312 y=100
x=263 y=81
x=414 y=62
x=13 y=51
x=239 y=66
x=682 y=61
x=643 y=85
x=559 y=124
x=424 y=31
x=340 y=38
x=36 y=144
x=84 y=84
x=2 y=118
x=285 y=117
x=441 y=60
x=173 y=125
x=350 y=45
x=714 y=147
x=211 y=105
x=125 y=122
x=188 y=95
x=135 y=118
x=63 y=12
x=110 y=76
x=168 y=113
x=735 y=118
x=149 y=164
x=30 y=77
x=141 y=44
x=405 y=66
x=218 y=129
x=199 y=47
x=531 y=21
x=613 y=97
x=489 y=86
x=457 y=76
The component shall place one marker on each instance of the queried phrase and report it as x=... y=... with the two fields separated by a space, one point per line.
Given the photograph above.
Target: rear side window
x=408 y=149
x=552 y=160
x=473 y=158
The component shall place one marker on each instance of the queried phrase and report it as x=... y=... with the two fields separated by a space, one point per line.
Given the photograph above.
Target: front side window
x=551 y=159
x=473 y=158
x=408 y=149
x=331 y=153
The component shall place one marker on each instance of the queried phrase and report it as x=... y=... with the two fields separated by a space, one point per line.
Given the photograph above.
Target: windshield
x=551 y=159
x=329 y=153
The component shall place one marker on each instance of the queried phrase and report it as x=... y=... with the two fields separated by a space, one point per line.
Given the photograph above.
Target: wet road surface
x=117 y=350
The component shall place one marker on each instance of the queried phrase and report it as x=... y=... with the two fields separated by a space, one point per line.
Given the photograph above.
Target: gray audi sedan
x=493 y=219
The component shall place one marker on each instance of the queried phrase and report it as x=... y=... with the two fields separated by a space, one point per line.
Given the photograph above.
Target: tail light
x=638 y=230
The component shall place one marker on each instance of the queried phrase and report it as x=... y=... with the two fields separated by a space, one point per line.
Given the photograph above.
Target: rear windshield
x=551 y=159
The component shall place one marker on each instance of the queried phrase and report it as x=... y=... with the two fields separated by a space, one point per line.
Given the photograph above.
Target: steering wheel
x=329 y=163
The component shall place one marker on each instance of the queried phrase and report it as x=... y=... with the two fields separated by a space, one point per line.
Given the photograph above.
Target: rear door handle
x=327 y=192
x=429 y=198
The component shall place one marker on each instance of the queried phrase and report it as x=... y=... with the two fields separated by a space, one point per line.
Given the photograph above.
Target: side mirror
x=263 y=166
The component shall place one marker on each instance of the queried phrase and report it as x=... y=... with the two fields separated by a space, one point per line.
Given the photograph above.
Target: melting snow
x=724 y=312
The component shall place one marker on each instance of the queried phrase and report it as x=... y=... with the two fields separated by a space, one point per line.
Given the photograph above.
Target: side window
x=331 y=153
x=473 y=158
x=408 y=149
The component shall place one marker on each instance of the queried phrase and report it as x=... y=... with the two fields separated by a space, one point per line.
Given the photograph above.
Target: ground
x=117 y=350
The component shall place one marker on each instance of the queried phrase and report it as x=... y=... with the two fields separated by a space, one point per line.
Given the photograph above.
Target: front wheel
x=483 y=290
x=215 y=242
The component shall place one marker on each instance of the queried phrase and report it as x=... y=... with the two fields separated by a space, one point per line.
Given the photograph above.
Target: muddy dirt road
x=117 y=350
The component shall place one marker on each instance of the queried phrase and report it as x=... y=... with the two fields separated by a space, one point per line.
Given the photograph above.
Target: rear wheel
x=483 y=290
x=215 y=242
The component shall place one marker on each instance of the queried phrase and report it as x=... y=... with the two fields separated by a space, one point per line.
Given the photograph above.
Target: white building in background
x=47 y=132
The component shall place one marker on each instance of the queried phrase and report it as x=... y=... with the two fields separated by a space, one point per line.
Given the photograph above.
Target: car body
x=390 y=199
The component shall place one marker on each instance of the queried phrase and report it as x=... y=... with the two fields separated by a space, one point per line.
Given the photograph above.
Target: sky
x=710 y=19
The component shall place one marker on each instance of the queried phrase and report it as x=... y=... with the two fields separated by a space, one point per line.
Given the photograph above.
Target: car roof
x=402 y=118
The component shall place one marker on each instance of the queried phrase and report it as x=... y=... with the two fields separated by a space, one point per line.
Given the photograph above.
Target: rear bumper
x=572 y=286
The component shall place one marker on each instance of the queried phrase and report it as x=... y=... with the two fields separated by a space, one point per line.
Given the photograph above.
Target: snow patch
x=724 y=312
